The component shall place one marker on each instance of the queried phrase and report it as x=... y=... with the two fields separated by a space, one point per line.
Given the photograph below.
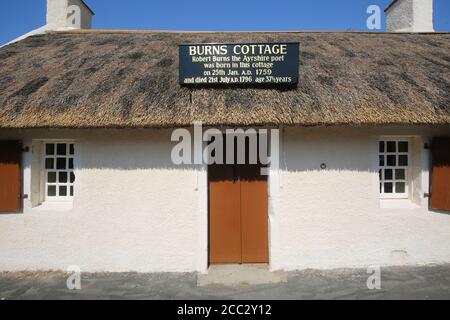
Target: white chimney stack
x=68 y=14
x=409 y=16
x=63 y=15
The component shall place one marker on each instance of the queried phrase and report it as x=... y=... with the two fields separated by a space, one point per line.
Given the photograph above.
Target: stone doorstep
x=240 y=275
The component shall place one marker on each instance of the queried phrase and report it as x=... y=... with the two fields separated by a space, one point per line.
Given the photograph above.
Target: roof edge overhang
x=390 y=5
x=87 y=7
x=119 y=31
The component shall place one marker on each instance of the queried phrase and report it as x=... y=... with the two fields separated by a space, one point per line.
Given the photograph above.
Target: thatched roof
x=130 y=79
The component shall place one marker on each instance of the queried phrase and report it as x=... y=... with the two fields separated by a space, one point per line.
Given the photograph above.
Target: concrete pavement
x=428 y=282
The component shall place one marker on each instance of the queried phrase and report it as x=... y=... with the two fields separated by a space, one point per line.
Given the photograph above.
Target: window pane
x=400 y=174
x=51 y=191
x=72 y=177
x=70 y=163
x=380 y=175
x=391 y=146
x=391 y=160
x=49 y=163
x=381 y=160
x=61 y=163
x=61 y=149
x=72 y=149
x=403 y=160
x=388 y=187
x=63 y=191
x=400 y=187
x=381 y=146
x=49 y=149
x=71 y=191
x=62 y=177
x=388 y=174
x=403 y=146
x=51 y=178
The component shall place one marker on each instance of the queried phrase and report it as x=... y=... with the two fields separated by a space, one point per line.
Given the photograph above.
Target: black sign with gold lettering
x=227 y=64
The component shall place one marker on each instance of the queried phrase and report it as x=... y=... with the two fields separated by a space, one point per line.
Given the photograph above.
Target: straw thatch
x=130 y=79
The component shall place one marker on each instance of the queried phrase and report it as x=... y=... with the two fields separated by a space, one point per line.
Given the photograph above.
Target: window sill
x=398 y=204
x=54 y=206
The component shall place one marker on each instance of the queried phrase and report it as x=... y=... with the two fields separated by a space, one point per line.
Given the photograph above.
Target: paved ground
x=431 y=282
x=240 y=274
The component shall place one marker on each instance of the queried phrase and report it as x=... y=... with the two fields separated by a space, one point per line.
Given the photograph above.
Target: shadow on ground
x=428 y=282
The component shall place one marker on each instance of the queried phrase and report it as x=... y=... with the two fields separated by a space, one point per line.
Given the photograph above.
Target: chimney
x=409 y=16
x=68 y=14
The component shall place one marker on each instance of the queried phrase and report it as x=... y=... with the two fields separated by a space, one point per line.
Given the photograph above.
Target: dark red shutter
x=10 y=154
x=440 y=176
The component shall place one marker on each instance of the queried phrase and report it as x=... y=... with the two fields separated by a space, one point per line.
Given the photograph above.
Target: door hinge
x=427 y=195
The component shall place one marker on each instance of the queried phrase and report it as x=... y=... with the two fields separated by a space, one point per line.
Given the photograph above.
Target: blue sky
x=210 y=15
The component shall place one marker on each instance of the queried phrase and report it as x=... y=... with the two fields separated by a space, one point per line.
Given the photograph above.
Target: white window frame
x=397 y=139
x=44 y=171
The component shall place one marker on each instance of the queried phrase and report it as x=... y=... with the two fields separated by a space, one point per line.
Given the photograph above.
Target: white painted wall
x=135 y=211
x=410 y=16
x=333 y=218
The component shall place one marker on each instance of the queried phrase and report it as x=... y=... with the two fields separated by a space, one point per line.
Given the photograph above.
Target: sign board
x=238 y=64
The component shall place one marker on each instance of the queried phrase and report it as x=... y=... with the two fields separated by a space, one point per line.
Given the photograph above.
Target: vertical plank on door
x=224 y=215
x=254 y=215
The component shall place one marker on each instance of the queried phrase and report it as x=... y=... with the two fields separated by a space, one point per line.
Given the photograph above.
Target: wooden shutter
x=440 y=176
x=10 y=154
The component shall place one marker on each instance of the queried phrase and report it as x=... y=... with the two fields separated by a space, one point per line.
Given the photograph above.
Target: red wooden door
x=238 y=214
x=10 y=153
x=440 y=176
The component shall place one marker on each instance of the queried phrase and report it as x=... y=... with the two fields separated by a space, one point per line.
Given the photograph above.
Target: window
x=59 y=176
x=394 y=161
